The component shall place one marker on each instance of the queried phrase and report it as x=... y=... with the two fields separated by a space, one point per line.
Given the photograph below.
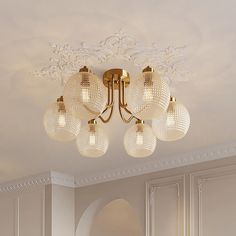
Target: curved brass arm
x=122 y=104
x=120 y=84
x=109 y=117
x=110 y=102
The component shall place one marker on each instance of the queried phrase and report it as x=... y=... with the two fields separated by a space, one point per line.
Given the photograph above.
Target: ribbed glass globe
x=174 y=124
x=59 y=124
x=92 y=141
x=85 y=95
x=139 y=140
x=149 y=97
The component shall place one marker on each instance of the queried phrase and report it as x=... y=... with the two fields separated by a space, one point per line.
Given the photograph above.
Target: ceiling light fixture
x=92 y=140
x=86 y=97
x=174 y=124
x=59 y=124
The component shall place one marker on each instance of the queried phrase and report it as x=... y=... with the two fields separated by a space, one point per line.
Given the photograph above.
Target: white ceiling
x=207 y=27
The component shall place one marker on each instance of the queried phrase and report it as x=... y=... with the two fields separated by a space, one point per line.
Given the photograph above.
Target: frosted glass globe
x=92 y=141
x=149 y=96
x=85 y=95
x=174 y=124
x=59 y=124
x=139 y=140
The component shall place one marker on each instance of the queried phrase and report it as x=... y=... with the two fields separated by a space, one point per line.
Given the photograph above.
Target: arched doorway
x=114 y=217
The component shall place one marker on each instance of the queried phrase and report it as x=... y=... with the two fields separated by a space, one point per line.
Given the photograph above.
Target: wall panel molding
x=152 y=189
x=198 y=181
x=17 y=217
x=22 y=213
x=18 y=210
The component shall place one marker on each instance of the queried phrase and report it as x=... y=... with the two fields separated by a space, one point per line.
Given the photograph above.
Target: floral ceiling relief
x=66 y=60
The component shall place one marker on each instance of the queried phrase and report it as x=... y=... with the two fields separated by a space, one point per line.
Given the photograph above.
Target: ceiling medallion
x=66 y=60
x=87 y=97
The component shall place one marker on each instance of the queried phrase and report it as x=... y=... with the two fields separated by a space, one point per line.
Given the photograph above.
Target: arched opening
x=105 y=218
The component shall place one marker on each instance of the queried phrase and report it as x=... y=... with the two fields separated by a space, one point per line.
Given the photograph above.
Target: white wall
x=196 y=200
x=22 y=213
x=37 y=211
x=175 y=204
x=213 y=202
x=63 y=211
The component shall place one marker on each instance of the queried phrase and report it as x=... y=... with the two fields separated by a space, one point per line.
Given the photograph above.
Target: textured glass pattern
x=92 y=141
x=59 y=124
x=139 y=141
x=85 y=95
x=174 y=124
x=148 y=97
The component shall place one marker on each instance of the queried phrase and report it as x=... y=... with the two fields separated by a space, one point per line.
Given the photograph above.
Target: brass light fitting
x=92 y=127
x=115 y=76
x=116 y=79
x=92 y=122
x=148 y=69
x=84 y=69
x=61 y=105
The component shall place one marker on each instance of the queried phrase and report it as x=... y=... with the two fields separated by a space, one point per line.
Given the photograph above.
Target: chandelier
x=87 y=97
x=141 y=100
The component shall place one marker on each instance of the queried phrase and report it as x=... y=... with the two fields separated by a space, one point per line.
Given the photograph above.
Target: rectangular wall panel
x=31 y=213
x=8 y=211
x=213 y=203
x=166 y=207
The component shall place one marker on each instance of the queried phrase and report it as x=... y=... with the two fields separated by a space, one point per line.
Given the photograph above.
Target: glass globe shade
x=139 y=140
x=85 y=95
x=92 y=140
x=59 y=124
x=174 y=124
x=149 y=97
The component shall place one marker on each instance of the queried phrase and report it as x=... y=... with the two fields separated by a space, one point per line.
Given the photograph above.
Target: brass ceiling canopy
x=115 y=76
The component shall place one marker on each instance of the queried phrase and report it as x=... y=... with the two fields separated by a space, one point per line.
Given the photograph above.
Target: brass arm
x=110 y=102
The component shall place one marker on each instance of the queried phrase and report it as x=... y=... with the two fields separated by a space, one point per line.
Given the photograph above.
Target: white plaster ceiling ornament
x=66 y=60
x=86 y=97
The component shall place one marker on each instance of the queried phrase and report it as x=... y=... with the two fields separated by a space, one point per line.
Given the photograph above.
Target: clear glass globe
x=59 y=124
x=139 y=140
x=174 y=124
x=149 y=96
x=85 y=95
x=92 y=141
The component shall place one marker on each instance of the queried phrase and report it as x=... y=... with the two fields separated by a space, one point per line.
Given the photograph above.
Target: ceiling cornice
x=203 y=155
x=52 y=177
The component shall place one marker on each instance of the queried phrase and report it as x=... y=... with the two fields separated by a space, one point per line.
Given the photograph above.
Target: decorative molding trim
x=52 y=177
x=46 y=178
x=66 y=60
x=62 y=179
x=17 y=201
x=197 y=181
x=204 y=155
x=152 y=187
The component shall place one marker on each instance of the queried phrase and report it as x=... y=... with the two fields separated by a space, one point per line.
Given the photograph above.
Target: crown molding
x=62 y=179
x=203 y=155
x=50 y=177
